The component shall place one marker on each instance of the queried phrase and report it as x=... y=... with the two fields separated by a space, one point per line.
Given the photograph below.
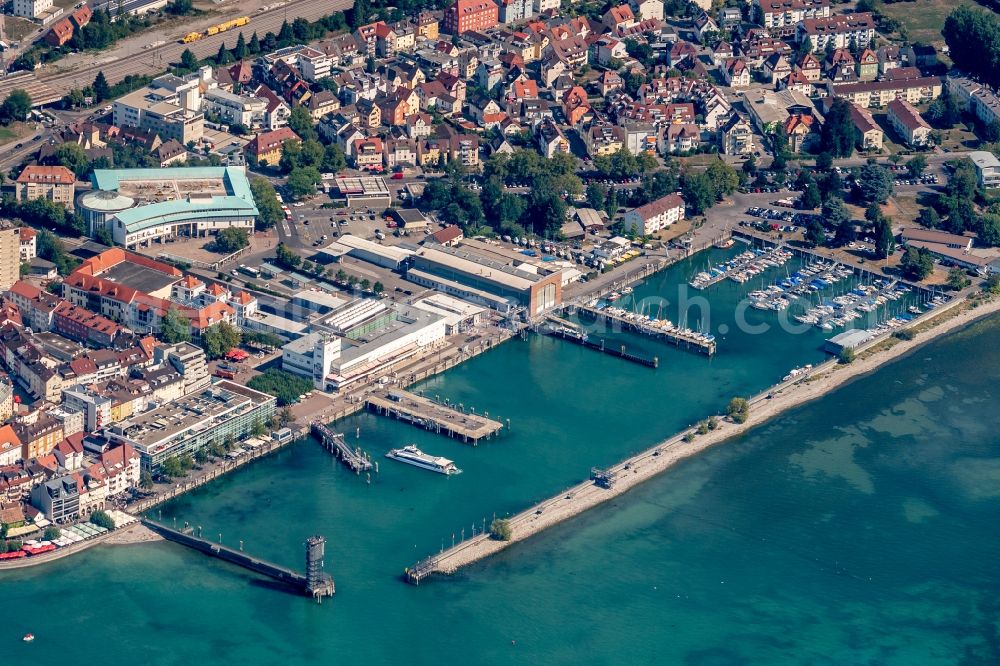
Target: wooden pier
x=444 y=418
x=334 y=442
x=578 y=338
x=680 y=339
x=315 y=583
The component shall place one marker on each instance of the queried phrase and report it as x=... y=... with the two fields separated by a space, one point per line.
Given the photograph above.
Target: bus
x=249 y=270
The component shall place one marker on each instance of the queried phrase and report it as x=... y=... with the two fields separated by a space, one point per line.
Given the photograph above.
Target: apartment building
x=52 y=183
x=169 y=106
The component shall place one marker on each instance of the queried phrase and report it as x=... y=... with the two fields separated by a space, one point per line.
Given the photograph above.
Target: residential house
x=400 y=152
x=868 y=65
x=576 y=107
x=654 y=216
x=28 y=243
x=618 y=18
x=908 y=123
x=705 y=25
x=777 y=68
x=419 y=125
x=736 y=136
x=551 y=139
x=609 y=82
x=51 y=183
x=604 y=139
x=678 y=138
x=368 y=154
x=514 y=11
x=736 y=73
x=266 y=147
x=868 y=134
x=721 y=53
x=800 y=128
x=811 y=67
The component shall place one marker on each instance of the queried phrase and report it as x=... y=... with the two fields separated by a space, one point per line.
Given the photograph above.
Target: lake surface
x=860 y=529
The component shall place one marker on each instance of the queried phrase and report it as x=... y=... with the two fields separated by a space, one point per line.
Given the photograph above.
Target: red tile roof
x=58 y=175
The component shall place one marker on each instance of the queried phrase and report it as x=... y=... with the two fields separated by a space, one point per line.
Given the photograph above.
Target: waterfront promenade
x=763 y=407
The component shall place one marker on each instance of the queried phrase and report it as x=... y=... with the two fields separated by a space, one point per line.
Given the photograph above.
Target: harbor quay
x=606 y=484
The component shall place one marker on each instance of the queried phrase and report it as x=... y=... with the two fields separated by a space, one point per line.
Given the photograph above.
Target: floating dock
x=576 y=337
x=680 y=338
x=334 y=442
x=315 y=583
x=444 y=418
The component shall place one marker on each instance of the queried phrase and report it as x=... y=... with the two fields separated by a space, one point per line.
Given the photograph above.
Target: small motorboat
x=28 y=638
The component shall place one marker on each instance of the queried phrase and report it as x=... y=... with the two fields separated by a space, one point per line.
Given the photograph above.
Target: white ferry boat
x=411 y=455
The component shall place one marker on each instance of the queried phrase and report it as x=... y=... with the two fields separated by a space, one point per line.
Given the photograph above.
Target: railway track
x=50 y=84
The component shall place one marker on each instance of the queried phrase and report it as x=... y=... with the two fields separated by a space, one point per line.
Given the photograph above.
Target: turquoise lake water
x=860 y=529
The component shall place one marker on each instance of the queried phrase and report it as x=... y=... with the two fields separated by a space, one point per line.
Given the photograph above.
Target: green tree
x=301 y=122
x=596 y=196
x=993 y=284
x=917 y=263
x=837 y=137
x=838 y=219
x=145 y=480
x=286 y=257
x=72 y=156
x=223 y=57
x=811 y=197
x=501 y=530
x=219 y=338
x=267 y=203
x=333 y=158
x=846 y=356
x=738 y=410
x=378 y=288
x=100 y=88
x=174 y=327
x=189 y=60
x=815 y=234
x=973 y=38
x=240 y=50
x=302 y=181
x=929 y=218
x=102 y=519
x=51 y=533
x=958 y=279
x=699 y=193
x=874 y=184
x=365 y=284
x=17 y=106
x=885 y=242
x=916 y=166
x=254 y=46
x=231 y=240
x=171 y=468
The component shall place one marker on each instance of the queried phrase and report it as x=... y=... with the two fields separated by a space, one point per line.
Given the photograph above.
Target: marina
x=355 y=459
x=743 y=267
x=441 y=417
x=661 y=329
